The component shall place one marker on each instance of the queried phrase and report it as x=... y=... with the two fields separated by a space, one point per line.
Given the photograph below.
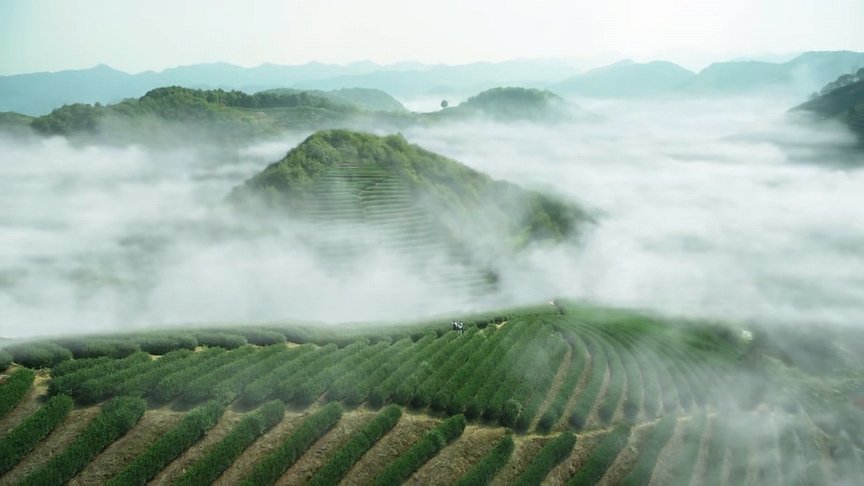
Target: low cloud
x=724 y=209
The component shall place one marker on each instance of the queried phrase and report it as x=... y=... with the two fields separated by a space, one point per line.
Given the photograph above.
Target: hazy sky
x=40 y=35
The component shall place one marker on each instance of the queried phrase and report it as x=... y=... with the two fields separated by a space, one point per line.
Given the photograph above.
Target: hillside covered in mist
x=841 y=100
x=177 y=115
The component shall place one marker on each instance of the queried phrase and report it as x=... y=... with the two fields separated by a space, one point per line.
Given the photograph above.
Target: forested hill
x=842 y=100
x=510 y=104
x=375 y=168
x=219 y=112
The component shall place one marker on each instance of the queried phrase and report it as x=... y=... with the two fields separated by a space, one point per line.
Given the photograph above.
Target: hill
x=842 y=99
x=798 y=77
x=15 y=123
x=508 y=105
x=559 y=393
x=627 y=79
x=177 y=113
x=365 y=194
x=446 y=185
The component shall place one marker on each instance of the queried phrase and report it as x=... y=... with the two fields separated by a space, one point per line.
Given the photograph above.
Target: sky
x=134 y=36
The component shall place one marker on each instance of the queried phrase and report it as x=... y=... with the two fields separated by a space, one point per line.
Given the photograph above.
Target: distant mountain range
x=39 y=93
x=795 y=78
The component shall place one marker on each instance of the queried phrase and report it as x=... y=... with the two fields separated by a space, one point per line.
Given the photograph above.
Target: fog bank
x=723 y=209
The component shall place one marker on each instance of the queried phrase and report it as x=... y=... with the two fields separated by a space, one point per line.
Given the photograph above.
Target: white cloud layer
x=722 y=209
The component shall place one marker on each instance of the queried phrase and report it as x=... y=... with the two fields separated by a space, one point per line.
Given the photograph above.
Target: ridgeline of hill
x=558 y=393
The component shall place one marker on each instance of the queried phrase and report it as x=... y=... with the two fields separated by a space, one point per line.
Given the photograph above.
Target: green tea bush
x=681 y=468
x=597 y=374
x=5 y=360
x=190 y=430
x=74 y=365
x=39 y=354
x=264 y=386
x=220 y=339
x=357 y=445
x=209 y=467
x=117 y=417
x=261 y=337
x=274 y=465
x=577 y=364
x=602 y=457
x=165 y=343
x=649 y=451
x=485 y=470
x=70 y=383
x=555 y=451
x=23 y=438
x=14 y=389
x=421 y=451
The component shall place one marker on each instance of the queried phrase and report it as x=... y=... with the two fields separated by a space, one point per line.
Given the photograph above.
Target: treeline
x=177 y=103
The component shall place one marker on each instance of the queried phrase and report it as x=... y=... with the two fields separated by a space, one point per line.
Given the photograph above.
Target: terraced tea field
x=370 y=210
x=553 y=394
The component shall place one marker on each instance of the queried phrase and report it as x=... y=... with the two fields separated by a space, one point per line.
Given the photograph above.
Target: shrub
x=597 y=374
x=5 y=360
x=74 y=365
x=262 y=387
x=615 y=387
x=220 y=339
x=357 y=445
x=577 y=363
x=125 y=381
x=207 y=385
x=421 y=451
x=356 y=387
x=261 y=337
x=649 y=451
x=532 y=393
x=510 y=413
x=164 y=343
x=90 y=347
x=23 y=438
x=555 y=451
x=310 y=382
x=681 y=469
x=172 y=362
x=172 y=385
x=602 y=457
x=117 y=417
x=274 y=465
x=39 y=355
x=190 y=430
x=209 y=467
x=484 y=471
x=15 y=388
x=70 y=383
x=427 y=348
